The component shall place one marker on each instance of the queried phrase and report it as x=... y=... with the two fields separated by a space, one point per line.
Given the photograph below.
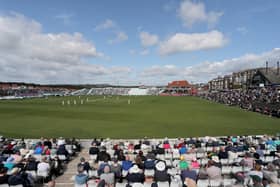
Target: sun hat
x=160 y=166
x=215 y=159
x=182 y=157
x=15 y=170
x=134 y=169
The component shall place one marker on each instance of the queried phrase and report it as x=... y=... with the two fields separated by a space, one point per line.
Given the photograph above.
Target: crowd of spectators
x=209 y=161
x=29 y=162
x=263 y=100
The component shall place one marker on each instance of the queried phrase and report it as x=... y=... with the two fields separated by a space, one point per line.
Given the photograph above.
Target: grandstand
x=118 y=91
x=205 y=161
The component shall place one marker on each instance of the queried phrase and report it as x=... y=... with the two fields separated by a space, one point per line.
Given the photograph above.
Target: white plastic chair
x=236 y=169
x=120 y=184
x=215 y=183
x=149 y=172
x=203 y=183
x=137 y=184
x=4 y=185
x=61 y=157
x=80 y=185
x=226 y=170
x=163 y=184
x=228 y=182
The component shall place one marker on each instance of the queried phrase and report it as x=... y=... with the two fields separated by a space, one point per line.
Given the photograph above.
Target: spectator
x=135 y=175
x=3 y=175
x=84 y=164
x=81 y=178
x=16 y=178
x=103 y=155
x=213 y=171
x=161 y=174
x=93 y=150
x=108 y=177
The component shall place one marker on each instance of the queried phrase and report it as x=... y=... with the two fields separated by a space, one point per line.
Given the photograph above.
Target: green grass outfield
x=113 y=117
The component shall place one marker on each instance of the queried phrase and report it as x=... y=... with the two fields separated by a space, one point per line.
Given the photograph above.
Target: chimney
x=266 y=67
x=278 y=68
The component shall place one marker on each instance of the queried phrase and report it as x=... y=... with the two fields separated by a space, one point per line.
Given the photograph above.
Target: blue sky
x=132 y=42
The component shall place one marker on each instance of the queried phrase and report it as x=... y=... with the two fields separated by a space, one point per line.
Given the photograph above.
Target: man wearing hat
x=135 y=175
x=15 y=178
x=161 y=174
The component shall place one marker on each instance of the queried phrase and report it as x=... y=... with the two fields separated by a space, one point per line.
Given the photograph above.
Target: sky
x=135 y=42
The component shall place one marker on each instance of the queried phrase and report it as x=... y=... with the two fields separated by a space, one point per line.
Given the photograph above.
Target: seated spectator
x=81 y=178
x=240 y=178
x=216 y=161
x=270 y=173
x=43 y=167
x=187 y=172
x=223 y=154
x=257 y=171
x=126 y=164
x=56 y=167
x=135 y=175
x=103 y=155
x=149 y=163
x=166 y=145
x=101 y=167
x=17 y=157
x=116 y=168
x=48 y=143
x=39 y=149
x=62 y=151
x=257 y=181
x=9 y=163
x=31 y=164
x=139 y=162
x=213 y=171
x=183 y=149
x=247 y=161
x=108 y=177
x=120 y=155
x=259 y=151
x=84 y=164
x=161 y=174
x=16 y=178
x=47 y=151
x=141 y=155
x=3 y=175
x=195 y=164
x=93 y=150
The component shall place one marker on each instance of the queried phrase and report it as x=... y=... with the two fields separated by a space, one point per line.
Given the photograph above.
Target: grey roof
x=271 y=75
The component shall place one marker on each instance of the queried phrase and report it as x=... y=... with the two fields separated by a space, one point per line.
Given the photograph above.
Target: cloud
x=148 y=39
x=208 y=70
x=66 y=18
x=29 y=54
x=120 y=37
x=205 y=71
x=111 y=25
x=159 y=71
x=191 y=12
x=242 y=30
x=144 y=52
x=107 y=24
x=182 y=42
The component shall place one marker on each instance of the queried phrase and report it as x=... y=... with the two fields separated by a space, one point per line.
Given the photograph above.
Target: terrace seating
x=229 y=166
x=24 y=152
